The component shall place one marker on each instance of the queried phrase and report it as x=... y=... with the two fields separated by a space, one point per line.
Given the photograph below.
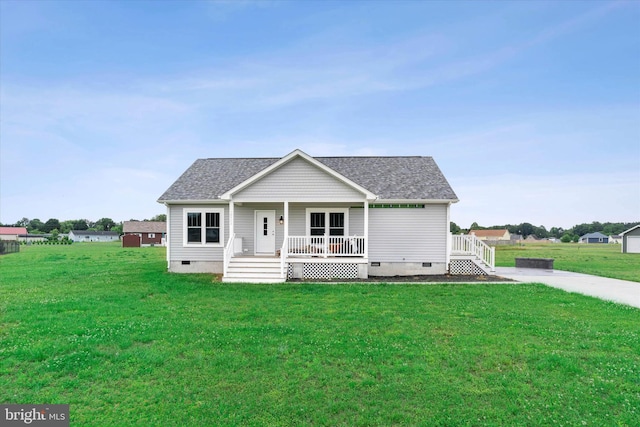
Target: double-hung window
x=332 y=222
x=203 y=226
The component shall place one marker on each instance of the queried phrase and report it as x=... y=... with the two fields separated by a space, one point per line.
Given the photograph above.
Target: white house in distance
x=303 y=217
x=631 y=240
x=93 y=236
x=492 y=234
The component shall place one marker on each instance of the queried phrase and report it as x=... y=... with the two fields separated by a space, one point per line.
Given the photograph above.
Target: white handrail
x=471 y=245
x=228 y=254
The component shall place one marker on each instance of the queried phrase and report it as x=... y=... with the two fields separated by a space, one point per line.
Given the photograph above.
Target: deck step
x=254 y=270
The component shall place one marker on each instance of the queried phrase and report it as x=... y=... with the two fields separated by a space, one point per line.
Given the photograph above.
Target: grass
x=108 y=331
x=600 y=260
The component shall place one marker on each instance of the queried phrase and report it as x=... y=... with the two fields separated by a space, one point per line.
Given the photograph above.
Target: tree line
x=526 y=229
x=55 y=226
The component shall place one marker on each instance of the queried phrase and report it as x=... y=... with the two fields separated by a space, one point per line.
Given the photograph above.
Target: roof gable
x=296 y=157
x=630 y=230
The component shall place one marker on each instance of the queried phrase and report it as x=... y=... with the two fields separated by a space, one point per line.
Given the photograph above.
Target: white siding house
x=93 y=236
x=300 y=217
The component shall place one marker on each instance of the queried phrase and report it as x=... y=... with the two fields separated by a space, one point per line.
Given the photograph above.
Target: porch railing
x=325 y=246
x=470 y=245
x=228 y=254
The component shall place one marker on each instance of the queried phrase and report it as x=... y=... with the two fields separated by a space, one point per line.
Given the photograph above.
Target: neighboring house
x=30 y=238
x=269 y=219
x=491 y=234
x=516 y=237
x=615 y=238
x=11 y=233
x=631 y=240
x=531 y=238
x=93 y=236
x=596 y=237
x=151 y=232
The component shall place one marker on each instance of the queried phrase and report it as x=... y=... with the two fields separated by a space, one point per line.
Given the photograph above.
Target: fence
x=9 y=247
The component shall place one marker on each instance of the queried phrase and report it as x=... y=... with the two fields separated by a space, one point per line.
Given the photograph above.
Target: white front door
x=265 y=232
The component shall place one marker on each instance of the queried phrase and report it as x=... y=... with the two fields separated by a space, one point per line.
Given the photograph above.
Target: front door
x=265 y=232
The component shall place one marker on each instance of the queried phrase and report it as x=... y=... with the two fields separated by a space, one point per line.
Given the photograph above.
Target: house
x=631 y=240
x=93 y=236
x=12 y=233
x=491 y=234
x=151 y=233
x=299 y=217
x=615 y=238
x=596 y=237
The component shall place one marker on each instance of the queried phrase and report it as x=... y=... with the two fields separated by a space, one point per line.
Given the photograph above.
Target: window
x=332 y=222
x=202 y=226
x=151 y=235
x=336 y=223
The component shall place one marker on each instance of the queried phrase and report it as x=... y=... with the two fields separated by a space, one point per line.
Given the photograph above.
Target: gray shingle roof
x=390 y=178
x=144 y=227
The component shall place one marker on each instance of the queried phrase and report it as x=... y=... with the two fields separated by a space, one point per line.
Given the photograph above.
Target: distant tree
x=540 y=232
x=117 y=228
x=556 y=232
x=80 y=224
x=160 y=217
x=453 y=227
x=575 y=238
x=55 y=235
x=35 y=225
x=104 y=224
x=474 y=226
x=24 y=222
x=51 y=224
x=525 y=229
x=565 y=238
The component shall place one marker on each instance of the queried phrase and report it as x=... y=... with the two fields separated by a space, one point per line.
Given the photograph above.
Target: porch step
x=254 y=270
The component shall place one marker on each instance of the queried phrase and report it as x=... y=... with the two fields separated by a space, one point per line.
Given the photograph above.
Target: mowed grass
x=108 y=331
x=598 y=259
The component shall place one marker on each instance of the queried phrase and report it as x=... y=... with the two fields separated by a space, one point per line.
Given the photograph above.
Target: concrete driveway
x=621 y=291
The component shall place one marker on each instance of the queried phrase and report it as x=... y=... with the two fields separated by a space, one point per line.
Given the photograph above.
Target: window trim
x=203 y=227
x=327 y=222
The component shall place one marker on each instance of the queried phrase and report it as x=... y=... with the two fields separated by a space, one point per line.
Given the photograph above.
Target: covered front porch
x=276 y=241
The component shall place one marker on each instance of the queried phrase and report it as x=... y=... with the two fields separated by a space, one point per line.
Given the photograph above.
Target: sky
x=531 y=109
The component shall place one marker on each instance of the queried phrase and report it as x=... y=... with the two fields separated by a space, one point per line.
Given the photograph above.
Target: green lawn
x=601 y=260
x=109 y=332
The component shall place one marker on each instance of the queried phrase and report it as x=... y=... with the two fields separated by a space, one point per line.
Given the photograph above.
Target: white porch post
x=231 y=217
x=286 y=226
x=366 y=228
x=286 y=219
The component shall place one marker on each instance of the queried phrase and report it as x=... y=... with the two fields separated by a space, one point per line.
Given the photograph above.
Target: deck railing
x=470 y=245
x=325 y=246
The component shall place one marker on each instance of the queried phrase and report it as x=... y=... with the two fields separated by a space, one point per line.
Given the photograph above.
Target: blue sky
x=531 y=109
